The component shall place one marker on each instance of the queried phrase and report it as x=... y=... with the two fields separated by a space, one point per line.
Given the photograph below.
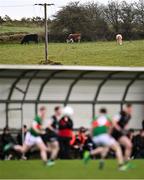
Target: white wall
x=2 y=116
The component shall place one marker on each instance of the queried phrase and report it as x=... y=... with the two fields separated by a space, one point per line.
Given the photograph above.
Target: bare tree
x=140 y=13
x=127 y=16
x=112 y=15
x=1 y=20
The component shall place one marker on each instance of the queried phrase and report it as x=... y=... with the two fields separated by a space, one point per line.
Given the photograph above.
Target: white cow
x=119 y=39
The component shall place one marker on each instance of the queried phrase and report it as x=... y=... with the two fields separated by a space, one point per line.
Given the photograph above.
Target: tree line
x=98 y=21
x=6 y=20
x=95 y=21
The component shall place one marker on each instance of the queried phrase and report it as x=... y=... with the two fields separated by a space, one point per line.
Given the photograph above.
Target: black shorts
x=117 y=134
x=49 y=137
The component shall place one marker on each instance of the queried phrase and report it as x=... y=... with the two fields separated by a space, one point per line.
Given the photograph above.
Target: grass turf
x=15 y=29
x=68 y=169
x=97 y=53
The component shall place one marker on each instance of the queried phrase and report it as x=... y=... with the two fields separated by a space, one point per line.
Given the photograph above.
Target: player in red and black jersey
x=65 y=136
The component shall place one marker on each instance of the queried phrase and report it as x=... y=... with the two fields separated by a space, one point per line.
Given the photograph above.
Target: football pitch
x=68 y=169
x=88 y=54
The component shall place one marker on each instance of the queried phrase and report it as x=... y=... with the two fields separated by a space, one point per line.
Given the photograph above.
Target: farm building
x=24 y=88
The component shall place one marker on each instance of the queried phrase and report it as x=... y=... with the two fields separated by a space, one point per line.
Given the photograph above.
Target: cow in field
x=30 y=38
x=74 y=38
x=119 y=39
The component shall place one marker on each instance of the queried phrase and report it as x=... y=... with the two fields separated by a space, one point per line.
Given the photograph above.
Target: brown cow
x=74 y=38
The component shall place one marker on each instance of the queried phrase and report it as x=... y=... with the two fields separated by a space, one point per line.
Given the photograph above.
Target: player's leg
x=103 y=156
x=106 y=141
x=43 y=149
x=54 y=150
x=116 y=147
x=22 y=149
x=29 y=141
x=125 y=141
x=94 y=152
x=110 y=142
x=102 y=150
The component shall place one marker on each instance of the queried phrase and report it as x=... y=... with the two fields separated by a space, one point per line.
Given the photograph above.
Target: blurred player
x=101 y=138
x=120 y=123
x=33 y=137
x=51 y=135
x=66 y=132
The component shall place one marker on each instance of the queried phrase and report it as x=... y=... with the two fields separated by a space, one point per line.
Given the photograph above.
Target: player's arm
x=115 y=119
x=110 y=124
x=49 y=126
x=126 y=127
x=37 y=128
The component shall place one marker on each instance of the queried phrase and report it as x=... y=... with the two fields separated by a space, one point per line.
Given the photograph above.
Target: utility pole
x=46 y=29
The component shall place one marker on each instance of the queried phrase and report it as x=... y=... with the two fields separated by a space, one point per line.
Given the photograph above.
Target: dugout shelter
x=23 y=88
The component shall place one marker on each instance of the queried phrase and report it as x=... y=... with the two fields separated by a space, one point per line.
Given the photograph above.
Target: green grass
x=97 y=53
x=72 y=169
x=15 y=29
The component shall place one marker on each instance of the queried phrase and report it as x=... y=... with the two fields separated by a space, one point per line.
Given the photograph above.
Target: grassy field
x=73 y=169
x=15 y=29
x=97 y=53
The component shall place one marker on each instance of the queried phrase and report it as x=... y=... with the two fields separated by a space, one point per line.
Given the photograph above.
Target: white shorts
x=31 y=140
x=104 y=140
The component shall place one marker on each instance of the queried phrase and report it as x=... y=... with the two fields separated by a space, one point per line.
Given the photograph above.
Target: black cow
x=30 y=38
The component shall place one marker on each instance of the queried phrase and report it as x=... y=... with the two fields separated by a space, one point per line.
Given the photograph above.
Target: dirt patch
x=50 y=62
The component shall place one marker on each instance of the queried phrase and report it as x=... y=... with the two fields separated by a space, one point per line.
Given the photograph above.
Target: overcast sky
x=17 y=9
